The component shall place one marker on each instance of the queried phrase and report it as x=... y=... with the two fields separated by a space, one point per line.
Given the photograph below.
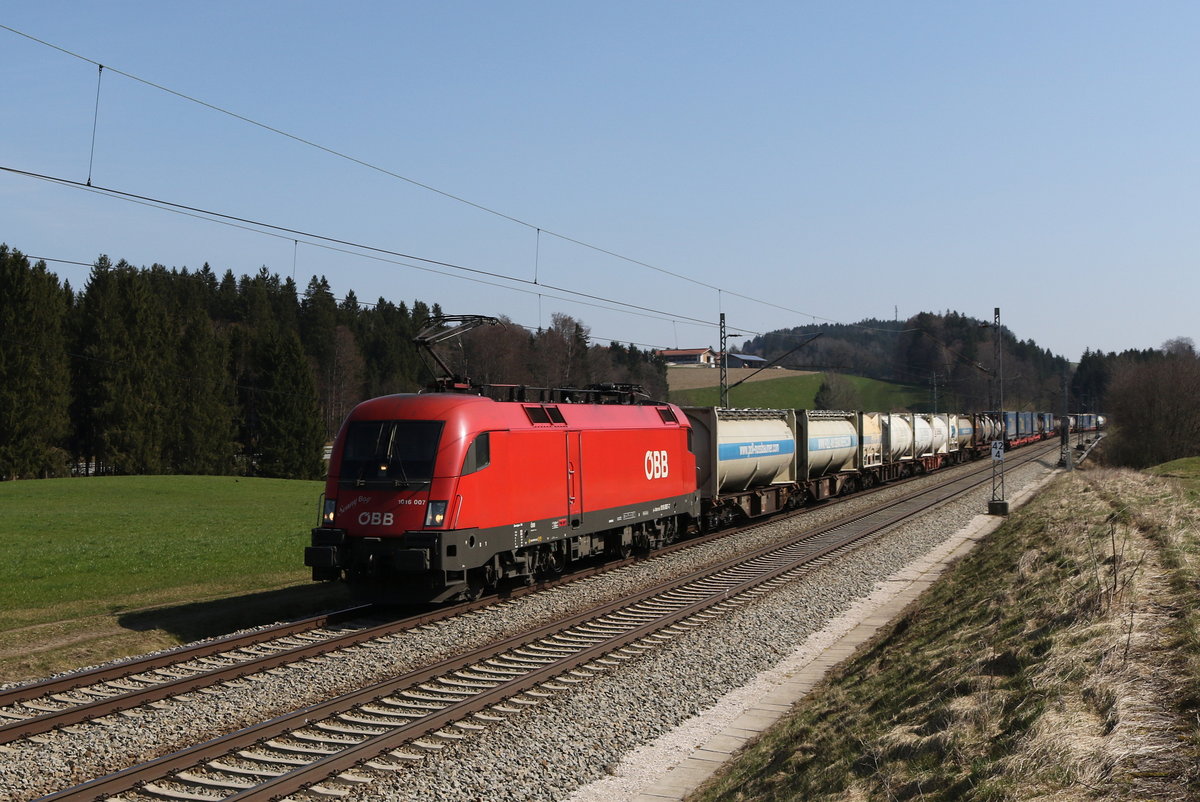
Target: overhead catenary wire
x=452 y=196
x=595 y=338
x=363 y=250
x=414 y=182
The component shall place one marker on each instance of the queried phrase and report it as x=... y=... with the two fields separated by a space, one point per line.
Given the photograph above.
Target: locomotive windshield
x=390 y=454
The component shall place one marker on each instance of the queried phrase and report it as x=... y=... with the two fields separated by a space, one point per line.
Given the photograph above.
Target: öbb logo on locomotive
x=656 y=465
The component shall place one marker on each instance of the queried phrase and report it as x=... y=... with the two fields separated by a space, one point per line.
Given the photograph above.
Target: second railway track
x=36 y=708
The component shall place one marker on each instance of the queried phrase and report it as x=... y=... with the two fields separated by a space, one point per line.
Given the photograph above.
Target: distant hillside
x=787 y=390
x=952 y=351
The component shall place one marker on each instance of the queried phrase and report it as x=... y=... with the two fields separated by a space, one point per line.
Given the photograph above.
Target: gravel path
x=547 y=751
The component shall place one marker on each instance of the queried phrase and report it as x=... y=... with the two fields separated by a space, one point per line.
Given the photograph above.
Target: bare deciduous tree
x=1154 y=407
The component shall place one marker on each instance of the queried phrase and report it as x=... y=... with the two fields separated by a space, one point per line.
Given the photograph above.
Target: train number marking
x=656 y=465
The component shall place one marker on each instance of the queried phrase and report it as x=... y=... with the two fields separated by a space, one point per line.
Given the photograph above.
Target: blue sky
x=780 y=162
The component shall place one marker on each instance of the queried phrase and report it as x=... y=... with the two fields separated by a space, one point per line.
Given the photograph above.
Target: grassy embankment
x=769 y=390
x=1060 y=660
x=97 y=568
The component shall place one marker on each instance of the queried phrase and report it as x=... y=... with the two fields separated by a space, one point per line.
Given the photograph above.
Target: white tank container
x=832 y=446
x=753 y=453
x=964 y=429
x=739 y=449
x=898 y=437
x=940 y=429
x=923 y=435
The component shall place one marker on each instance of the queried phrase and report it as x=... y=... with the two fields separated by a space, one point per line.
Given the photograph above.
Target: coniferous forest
x=156 y=370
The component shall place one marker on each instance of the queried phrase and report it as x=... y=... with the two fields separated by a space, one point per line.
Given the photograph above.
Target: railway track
x=71 y=699
x=384 y=726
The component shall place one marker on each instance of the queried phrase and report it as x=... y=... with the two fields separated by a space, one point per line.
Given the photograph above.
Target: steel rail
x=139 y=665
x=15 y=729
x=884 y=517
x=38 y=723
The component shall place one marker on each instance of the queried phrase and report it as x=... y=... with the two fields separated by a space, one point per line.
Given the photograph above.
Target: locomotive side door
x=574 y=478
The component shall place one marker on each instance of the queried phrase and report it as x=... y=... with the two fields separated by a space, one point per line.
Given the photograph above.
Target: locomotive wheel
x=480 y=581
x=619 y=543
x=555 y=561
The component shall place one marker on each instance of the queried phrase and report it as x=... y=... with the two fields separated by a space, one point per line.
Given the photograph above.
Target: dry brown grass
x=1114 y=728
x=696 y=378
x=1059 y=661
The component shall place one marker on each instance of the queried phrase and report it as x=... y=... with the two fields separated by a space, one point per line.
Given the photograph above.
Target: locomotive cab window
x=390 y=454
x=479 y=454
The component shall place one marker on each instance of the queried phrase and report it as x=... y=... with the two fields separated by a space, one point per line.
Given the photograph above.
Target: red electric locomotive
x=442 y=495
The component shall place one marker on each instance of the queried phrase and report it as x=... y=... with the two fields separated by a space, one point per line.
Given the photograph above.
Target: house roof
x=684 y=351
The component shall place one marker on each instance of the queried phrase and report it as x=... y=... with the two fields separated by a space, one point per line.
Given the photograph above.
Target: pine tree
x=318 y=333
x=201 y=441
x=122 y=380
x=34 y=373
x=389 y=356
x=289 y=433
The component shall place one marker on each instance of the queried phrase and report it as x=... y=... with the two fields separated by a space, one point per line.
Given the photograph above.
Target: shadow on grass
x=210 y=619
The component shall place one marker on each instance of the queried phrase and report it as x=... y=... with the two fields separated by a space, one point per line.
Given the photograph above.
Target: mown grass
x=1009 y=678
x=97 y=567
x=799 y=392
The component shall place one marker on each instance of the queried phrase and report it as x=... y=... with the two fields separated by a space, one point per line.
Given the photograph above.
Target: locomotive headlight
x=435 y=513
x=328 y=511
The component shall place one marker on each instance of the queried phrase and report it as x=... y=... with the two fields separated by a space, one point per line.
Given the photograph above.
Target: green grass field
x=86 y=562
x=91 y=544
x=798 y=392
x=1187 y=469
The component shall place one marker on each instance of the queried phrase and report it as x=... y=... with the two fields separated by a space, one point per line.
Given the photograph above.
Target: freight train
x=444 y=495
